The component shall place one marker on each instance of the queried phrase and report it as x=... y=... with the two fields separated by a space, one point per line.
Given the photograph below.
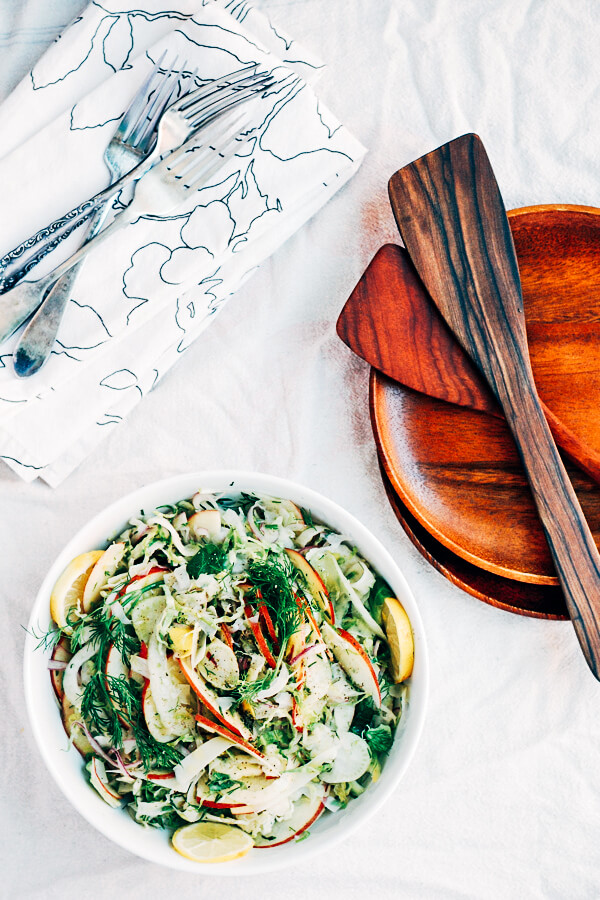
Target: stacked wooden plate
x=453 y=475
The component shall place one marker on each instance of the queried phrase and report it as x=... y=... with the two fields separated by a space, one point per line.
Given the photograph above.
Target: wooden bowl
x=540 y=601
x=457 y=471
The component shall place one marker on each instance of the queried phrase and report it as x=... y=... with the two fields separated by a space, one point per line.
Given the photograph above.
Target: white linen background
x=503 y=797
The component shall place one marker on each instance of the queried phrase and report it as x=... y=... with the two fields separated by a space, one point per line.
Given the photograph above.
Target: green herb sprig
x=220 y=784
x=271 y=582
x=209 y=560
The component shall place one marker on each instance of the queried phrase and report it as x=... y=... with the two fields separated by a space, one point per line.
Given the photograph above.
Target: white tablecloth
x=503 y=797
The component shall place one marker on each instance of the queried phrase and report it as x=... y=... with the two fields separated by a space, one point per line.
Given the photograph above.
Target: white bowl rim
x=175 y=488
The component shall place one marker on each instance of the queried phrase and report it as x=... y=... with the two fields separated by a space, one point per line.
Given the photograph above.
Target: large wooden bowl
x=457 y=471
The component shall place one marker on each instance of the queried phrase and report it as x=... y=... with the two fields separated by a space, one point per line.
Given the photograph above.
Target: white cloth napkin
x=143 y=297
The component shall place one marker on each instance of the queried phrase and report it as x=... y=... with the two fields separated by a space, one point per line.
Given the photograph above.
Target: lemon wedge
x=210 y=842
x=67 y=593
x=400 y=638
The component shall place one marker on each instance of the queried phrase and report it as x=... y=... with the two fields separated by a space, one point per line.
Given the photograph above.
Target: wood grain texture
x=494 y=525
x=536 y=600
x=452 y=219
x=391 y=322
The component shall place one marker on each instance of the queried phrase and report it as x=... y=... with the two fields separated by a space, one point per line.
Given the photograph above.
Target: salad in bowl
x=231 y=670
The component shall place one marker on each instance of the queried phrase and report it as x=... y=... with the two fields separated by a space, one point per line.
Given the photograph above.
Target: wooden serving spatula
x=453 y=223
x=391 y=322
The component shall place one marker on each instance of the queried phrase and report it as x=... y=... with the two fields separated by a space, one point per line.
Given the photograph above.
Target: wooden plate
x=457 y=471
x=538 y=600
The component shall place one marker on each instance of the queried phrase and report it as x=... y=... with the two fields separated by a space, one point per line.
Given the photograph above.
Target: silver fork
x=174 y=127
x=157 y=192
x=181 y=120
x=130 y=143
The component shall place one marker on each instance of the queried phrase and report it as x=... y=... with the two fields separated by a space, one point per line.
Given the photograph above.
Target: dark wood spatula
x=453 y=222
x=391 y=322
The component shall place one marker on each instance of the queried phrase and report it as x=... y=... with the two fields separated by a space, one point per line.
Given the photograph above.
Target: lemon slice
x=67 y=593
x=210 y=842
x=400 y=638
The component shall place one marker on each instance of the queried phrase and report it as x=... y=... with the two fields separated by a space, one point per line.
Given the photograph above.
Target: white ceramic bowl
x=66 y=767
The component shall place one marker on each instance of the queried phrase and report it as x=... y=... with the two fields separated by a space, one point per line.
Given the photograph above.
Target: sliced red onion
x=93 y=742
x=57 y=664
x=313 y=649
x=138 y=535
x=122 y=767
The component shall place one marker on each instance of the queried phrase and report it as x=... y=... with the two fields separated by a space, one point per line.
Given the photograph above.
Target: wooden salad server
x=390 y=321
x=453 y=223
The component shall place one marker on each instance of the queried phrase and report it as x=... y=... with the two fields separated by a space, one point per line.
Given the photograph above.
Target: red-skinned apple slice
x=353 y=660
x=254 y=783
x=306 y=811
x=154 y=576
x=226 y=634
x=232 y=721
x=60 y=654
x=217 y=728
x=99 y=781
x=315 y=584
x=164 y=779
x=159 y=775
x=265 y=615
x=259 y=636
x=114 y=666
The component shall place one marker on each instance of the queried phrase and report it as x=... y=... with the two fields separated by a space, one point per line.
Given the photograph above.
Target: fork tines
x=152 y=98
x=203 y=154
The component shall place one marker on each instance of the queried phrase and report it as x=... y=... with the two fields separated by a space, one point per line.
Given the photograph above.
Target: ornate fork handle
x=47 y=238
x=48 y=231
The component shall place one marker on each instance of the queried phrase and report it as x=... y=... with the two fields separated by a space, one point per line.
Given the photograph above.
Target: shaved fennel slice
x=166 y=691
x=71 y=688
x=191 y=766
x=276 y=796
x=328 y=568
x=146 y=614
x=351 y=760
x=154 y=722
